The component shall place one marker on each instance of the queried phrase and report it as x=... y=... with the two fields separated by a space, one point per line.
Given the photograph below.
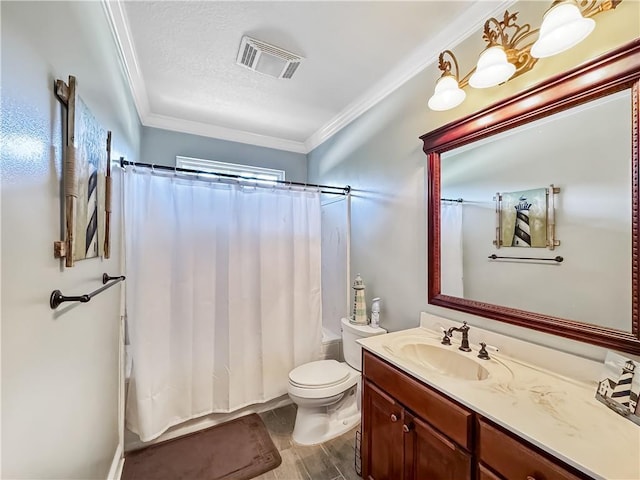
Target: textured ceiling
x=181 y=61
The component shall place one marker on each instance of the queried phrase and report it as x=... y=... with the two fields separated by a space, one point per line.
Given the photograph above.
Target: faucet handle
x=482 y=353
x=446 y=339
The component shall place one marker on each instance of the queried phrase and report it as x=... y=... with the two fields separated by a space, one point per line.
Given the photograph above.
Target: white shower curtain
x=223 y=295
x=451 y=280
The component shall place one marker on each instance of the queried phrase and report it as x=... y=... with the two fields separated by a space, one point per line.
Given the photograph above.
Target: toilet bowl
x=327 y=392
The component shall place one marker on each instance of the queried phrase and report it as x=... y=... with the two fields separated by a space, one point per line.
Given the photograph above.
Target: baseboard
x=117 y=464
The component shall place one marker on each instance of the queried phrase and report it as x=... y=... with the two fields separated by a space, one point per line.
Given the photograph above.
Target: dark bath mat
x=236 y=450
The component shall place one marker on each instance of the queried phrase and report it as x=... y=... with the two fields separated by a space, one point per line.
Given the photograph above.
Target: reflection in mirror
x=586 y=152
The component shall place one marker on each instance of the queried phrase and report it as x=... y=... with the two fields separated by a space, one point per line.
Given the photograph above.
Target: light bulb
x=493 y=68
x=447 y=94
x=563 y=26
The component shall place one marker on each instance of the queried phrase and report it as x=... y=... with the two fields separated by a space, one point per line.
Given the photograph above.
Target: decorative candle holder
x=359 y=315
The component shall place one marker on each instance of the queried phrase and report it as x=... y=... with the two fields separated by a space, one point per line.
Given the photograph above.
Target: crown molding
x=215 y=131
x=461 y=28
x=119 y=24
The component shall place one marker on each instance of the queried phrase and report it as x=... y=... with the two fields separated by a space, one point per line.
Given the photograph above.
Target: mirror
x=592 y=217
x=576 y=135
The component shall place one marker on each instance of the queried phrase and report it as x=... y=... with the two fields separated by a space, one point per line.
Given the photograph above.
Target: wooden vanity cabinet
x=410 y=439
x=510 y=457
x=412 y=432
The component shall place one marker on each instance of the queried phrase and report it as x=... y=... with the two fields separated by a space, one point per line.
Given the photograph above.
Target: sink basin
x=444 y=361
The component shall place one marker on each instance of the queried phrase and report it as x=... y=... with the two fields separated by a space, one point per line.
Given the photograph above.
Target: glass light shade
x=563 y=26
x=493 y=68
x=447 y=94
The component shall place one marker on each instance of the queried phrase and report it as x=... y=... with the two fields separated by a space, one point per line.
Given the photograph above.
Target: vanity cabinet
x=511 y=458
x=409 y=430
x=412 y=432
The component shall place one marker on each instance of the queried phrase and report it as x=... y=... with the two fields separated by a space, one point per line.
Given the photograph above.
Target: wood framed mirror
x=612 y=80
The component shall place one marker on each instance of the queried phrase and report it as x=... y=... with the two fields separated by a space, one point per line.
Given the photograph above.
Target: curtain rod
x=340 y=190
x=458 y=200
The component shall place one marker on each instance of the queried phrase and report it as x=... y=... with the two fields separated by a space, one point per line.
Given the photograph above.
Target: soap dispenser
x=375 y=312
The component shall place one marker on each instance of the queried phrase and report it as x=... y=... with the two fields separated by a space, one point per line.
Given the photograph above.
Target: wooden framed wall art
x=86 y=180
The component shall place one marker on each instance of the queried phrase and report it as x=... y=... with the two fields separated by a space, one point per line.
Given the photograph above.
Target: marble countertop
x=558 y=414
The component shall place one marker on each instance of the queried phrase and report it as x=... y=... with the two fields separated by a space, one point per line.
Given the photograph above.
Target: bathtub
x=331 y=345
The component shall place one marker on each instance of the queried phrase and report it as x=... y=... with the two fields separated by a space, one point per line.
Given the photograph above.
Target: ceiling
x=180 y=59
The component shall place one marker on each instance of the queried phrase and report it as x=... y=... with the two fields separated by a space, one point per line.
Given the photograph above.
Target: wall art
x=526 y=218
x=87 y=148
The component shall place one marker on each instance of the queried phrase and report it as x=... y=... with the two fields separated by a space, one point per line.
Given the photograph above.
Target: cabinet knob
x=394 y=417
x=406 y=428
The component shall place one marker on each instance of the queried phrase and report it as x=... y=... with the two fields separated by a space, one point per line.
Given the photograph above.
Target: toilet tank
x=351 y=349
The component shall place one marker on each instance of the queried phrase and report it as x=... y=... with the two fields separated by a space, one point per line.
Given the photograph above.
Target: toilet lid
x=323 y=373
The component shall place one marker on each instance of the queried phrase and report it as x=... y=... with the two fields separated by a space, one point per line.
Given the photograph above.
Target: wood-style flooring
x=333 y=460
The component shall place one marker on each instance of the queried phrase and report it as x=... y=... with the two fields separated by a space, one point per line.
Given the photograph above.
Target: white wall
x=380 y=155
x=60 y=372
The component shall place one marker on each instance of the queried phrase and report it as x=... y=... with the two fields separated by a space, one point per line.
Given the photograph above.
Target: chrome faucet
x=464 y=329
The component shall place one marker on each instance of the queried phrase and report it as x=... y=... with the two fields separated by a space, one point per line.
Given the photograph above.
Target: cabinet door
x=485 y=474
x=382 y=422
x=431 y=455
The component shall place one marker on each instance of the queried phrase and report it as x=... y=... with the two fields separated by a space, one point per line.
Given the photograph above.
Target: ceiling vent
x=267 y=59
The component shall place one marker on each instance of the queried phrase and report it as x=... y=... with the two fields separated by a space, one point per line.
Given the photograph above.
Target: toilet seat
x=320 y=374
x=321 y=379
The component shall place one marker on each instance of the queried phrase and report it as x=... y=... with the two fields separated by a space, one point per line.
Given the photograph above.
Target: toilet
x=327 y=392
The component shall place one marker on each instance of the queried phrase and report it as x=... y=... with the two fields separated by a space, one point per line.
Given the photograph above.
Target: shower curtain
x=451 y=280
x=223 y=295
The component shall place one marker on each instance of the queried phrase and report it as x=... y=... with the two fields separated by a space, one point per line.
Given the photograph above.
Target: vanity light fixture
x=509 y=54
x=448 y=93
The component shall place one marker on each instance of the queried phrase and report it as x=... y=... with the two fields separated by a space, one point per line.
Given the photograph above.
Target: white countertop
x=556 y=413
